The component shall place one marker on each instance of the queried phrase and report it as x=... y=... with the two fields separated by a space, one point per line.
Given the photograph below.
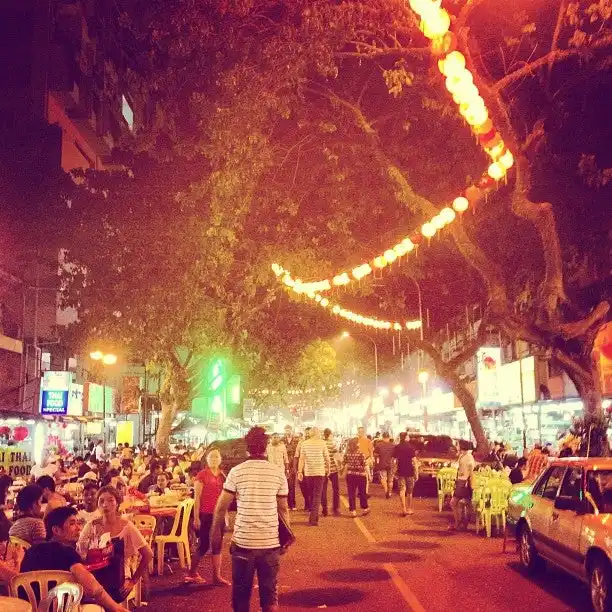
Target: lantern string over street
x=435 y=24
x=296 y=286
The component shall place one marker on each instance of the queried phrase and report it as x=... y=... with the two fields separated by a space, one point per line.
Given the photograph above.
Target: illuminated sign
x=488 y=363
x=54 y=402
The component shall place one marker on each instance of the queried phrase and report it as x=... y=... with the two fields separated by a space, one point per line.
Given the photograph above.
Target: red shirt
x=211 y=489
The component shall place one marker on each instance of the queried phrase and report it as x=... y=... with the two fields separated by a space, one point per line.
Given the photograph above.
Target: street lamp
x=104 y=359
x=397 y=389
x=423 y=377
x=346 y=334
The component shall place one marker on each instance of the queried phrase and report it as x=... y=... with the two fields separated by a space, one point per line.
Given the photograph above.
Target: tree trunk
x=164 y=427
x=469 y=406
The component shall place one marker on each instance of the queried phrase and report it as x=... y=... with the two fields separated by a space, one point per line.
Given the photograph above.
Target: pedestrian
x=296 y=460
x=536 y=462
x=260 y=489
x=332 y=477
x=406 y=462
x=356 y=478
x=383 y=451
x=366 y=446
x=208 y=487
x=277 y=452
x=291 y=442
x=462 y=495
x=517 y=473
x=313 y=468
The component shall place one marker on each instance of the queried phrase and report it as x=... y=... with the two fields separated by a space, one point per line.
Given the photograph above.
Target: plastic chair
x=179 y=535
x=75 y=490
x=493 y=505
x=445 y=481
x=65 y=597
x=44 y=579
x=146 y=524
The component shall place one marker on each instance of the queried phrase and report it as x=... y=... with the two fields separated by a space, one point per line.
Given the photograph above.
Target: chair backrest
x=146 y=524
x=65 y=597
x=181 y=518
x=42 y=579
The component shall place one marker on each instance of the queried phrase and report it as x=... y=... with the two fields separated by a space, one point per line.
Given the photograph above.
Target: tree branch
x=548 y=60
x=556 y=34
x=470 y=350
x=375 y=53
x=579 y=328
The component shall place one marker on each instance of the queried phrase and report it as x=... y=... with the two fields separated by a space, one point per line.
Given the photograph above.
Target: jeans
x=247 y=561
x=356 y=484
x=305 y=493
x=333 y=478
x=314 y=486
x=291 y=483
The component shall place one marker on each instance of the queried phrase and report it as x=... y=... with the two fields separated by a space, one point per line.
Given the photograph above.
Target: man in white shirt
x=313 y=467
x=277 y=452
x=99 y=451
x=462 y=496
x=260 y=489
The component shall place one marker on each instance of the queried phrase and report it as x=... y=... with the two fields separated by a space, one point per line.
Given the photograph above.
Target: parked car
x=564 y=518
x=433 y=452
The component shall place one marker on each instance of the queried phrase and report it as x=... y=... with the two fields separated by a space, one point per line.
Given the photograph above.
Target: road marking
x=400 y=584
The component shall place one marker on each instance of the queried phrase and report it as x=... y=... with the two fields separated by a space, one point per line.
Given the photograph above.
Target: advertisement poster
x=488 y=362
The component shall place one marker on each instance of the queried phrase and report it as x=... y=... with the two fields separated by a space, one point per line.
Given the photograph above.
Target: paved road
x=386 y=562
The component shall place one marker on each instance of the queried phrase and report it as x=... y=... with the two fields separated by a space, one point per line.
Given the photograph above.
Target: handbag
x=286 y=537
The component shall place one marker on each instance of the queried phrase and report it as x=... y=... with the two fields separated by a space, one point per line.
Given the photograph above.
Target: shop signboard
x=517 y=383
x=488 y=363
x=54 y=392
x=75 y=400
x=99 y=399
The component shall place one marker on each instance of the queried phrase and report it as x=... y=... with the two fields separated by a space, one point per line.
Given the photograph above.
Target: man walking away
x=406 y=474
x=260 y=489
x=290 y=441
x=313 y=467
x=333 y=475
x=383 y=451
x=366 y=446
x=296 y=460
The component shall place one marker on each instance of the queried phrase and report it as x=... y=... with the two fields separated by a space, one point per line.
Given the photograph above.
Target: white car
x=564 y=518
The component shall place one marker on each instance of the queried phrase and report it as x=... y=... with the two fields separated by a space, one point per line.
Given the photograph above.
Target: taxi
x=565 y=518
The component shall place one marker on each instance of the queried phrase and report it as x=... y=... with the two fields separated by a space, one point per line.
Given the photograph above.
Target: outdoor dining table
x=14 y=604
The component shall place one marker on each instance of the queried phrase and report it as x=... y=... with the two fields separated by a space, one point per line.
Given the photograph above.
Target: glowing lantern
x=325 y=302
x=408 y=244
x=424 y=6
x=399 y=249
x=447 y=215
x=472 y=194
x=438 y=222
x=435 y=24
x=486 y=127
x=506 y=160
x=452 y=64
x=428 y=230
x=476 y=115
x=496 y=151
x=317 y=298
x=486 y=182
x=496 y=171
x=466 y=93
x=390 y=255
x=380 y=261
x=459 y=81
x=336 y=309
x=460 y=204
x=341 y=279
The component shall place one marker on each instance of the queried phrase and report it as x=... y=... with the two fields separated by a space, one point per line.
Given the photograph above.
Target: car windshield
x=599 y=485
x=434 y=445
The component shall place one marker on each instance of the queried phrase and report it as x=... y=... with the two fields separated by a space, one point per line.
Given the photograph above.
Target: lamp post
x=104 y=359
x=423 y=377
x=346 y=334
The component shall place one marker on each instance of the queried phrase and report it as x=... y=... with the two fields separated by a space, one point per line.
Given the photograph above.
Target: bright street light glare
x=423 y=376
x=383 y=392
x=96 y=355
x=398 y=389
x=109 y=359
x=345 y=334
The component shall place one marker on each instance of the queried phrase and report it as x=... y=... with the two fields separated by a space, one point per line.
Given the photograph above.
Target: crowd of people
x=61 y=533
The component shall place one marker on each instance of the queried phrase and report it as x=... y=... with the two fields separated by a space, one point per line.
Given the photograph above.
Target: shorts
x=406 y=483
x=386 y=475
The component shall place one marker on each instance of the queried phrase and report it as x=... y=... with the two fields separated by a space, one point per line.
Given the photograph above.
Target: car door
x=566 y=525
x=540 y=515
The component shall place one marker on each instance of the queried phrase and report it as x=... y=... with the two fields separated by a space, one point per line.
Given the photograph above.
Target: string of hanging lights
x=435 y=24
x=297 y=287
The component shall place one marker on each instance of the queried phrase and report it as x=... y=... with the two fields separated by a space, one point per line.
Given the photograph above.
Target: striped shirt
x=314 y=457
x=256 y=483
x=30 y=529
x=333 y=451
